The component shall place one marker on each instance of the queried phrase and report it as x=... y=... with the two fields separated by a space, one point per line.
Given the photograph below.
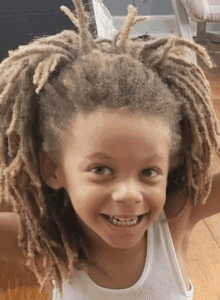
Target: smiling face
x=115 y=164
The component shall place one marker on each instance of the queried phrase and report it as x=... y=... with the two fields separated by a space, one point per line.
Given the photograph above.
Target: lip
x=126 y=216
x=130 y=229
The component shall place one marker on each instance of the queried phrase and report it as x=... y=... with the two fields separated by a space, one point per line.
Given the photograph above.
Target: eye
x=150 y=173
x=99 y=170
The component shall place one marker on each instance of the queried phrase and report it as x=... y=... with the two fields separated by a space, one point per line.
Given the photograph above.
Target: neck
x=112 y=262
x=109 y=255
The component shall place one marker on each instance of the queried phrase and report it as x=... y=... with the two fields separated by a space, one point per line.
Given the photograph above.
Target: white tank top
x=160 y=279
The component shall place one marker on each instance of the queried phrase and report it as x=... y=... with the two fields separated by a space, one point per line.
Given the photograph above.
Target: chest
x=127 y=275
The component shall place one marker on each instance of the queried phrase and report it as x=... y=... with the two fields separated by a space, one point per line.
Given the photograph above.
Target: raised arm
x=212 y=206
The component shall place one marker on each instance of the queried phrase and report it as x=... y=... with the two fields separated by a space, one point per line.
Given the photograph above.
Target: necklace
x=100 y=269
x=106 y=273
x=97 y=267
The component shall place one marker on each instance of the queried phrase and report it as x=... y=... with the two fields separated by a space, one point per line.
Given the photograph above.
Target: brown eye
x=150 y=173
x=99 y=170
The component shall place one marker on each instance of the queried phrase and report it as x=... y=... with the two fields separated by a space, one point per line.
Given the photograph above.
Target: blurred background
x=22 y=20
x=151 y=7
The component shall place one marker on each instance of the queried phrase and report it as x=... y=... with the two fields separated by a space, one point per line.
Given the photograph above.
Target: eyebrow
x=102 y=155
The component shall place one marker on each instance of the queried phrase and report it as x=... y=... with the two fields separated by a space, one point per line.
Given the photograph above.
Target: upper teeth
x=124 y=219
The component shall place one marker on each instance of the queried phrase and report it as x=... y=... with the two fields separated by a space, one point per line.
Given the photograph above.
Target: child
x=105 y=154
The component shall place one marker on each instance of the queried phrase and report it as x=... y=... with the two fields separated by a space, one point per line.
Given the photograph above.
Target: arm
x=212 y=206
x=11 y=252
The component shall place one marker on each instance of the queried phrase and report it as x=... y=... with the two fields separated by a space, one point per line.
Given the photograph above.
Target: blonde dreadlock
x=37 y=88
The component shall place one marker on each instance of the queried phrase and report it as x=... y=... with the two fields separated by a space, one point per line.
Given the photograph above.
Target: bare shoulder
x=181 y=226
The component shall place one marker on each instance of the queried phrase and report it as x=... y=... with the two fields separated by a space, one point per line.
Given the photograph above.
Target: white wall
x=152 y=7
x=161 y=25
x=162 y=20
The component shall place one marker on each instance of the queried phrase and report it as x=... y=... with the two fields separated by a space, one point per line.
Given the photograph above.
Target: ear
x=50 y=171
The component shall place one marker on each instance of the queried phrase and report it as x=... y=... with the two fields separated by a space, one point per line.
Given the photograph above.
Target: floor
x=204 y=249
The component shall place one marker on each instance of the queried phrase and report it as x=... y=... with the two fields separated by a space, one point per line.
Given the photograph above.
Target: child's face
x=131 y=183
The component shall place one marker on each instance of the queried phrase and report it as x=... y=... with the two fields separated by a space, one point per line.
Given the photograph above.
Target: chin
x=124 y=244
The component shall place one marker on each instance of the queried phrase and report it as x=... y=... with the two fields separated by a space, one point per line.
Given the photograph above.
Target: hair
x=46 y=83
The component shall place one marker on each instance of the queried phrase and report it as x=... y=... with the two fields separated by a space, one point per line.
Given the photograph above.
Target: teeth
x=124 y=219
x=126 y=222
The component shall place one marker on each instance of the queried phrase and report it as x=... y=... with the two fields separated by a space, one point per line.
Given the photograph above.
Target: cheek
x=84 y=198
x=158 y=194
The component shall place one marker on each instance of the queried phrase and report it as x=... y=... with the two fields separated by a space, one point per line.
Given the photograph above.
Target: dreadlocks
x=47 y=82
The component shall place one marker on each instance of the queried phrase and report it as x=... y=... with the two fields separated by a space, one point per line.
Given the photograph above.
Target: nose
x=128 y=193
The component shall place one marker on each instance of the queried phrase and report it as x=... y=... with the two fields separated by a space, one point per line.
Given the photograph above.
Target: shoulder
x=48 y=288
x=180 y=226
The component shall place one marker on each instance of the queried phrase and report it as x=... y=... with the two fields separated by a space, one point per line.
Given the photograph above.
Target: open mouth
x=123 y=223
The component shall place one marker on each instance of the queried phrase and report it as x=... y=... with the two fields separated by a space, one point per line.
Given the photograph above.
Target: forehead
x=112 y=130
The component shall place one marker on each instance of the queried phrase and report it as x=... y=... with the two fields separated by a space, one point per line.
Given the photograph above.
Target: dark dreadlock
x=46 y=83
